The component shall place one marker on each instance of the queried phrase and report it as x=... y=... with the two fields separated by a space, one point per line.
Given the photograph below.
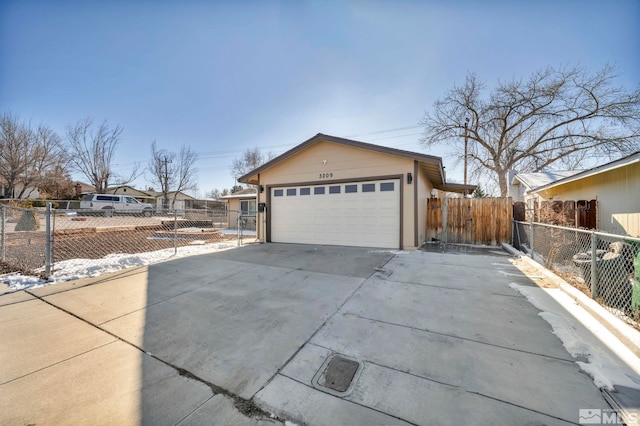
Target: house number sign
x=325 y=175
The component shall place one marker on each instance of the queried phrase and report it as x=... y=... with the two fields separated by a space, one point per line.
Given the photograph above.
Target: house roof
x=622 y=162
x=537 y=179
x=431 y=165
x=244 y=193
x=157 y=194
x=115 y=188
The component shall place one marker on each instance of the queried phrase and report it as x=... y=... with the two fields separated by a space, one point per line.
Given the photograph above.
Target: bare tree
x=173 y=172
x=250 y=159
x=214 y=194
x=92 y=150
x=27 y=154
x=556 y=117
x=57 y=185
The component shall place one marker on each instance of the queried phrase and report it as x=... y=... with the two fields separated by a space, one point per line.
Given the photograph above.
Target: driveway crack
x=326 y=321
x=246 y=407
x=458 y=337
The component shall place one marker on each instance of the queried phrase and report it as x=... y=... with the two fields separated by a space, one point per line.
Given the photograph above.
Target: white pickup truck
x=109 y=204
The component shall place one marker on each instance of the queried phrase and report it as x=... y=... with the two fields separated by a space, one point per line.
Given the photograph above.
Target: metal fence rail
x=604 y=266
x=41 y=241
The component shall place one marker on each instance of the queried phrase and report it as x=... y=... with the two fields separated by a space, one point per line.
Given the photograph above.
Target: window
x=131 y=200
x=248 y=207
x=319 y=190
x=368 y=187
x=386 y=186
x=107 y=198
x=278 y=192
x=305 y=191
x=350 y=188
x=291 y=192
x=334 y=189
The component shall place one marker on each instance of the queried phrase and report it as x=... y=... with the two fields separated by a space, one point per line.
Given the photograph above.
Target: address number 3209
x=325 y=175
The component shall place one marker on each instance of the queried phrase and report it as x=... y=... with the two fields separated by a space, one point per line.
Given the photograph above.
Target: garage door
x=365 y=214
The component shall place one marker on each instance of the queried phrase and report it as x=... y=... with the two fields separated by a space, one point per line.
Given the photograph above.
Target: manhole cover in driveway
x=338 y=374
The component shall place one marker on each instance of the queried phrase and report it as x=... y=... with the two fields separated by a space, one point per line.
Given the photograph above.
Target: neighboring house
x=210 y=204
x=521 y=184
x=84 y=189
x=183 y=201
x=615 y=186
x=30 y=193
x=330 y=190
x=243 y=202
x=141 y=196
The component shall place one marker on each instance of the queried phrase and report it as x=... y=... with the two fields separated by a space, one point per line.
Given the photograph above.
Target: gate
x=480 y=221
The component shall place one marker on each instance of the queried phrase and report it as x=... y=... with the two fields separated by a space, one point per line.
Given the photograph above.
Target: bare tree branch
x=92 y=151
x=172 y=172
x=27 y=155
x=250 y=159
x=556 y=116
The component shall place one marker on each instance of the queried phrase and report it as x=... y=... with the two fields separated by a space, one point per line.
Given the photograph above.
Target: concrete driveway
x=429 y=338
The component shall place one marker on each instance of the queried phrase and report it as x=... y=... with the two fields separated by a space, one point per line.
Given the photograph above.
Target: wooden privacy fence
x=482 y=221
x=576 y=214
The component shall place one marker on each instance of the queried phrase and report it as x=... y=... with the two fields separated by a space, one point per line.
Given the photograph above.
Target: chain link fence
x=604 y=266
x=41 y=242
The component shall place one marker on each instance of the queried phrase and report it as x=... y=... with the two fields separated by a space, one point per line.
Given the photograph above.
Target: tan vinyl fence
x=480 y=221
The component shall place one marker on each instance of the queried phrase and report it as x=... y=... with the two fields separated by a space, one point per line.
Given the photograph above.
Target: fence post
x=239 y=218
x=175 y=231
x=594 y=266
x=531 y=232
x=47 y=245
x=445 y=235
x=513 y=233
x=4 y=221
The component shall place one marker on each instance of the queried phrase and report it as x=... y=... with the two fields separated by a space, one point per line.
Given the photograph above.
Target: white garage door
x=365 y=214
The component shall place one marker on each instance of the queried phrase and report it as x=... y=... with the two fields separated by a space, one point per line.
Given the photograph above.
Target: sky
x=225 y=76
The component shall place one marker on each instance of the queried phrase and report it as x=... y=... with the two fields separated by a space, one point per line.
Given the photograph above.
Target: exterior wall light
x=409 y=178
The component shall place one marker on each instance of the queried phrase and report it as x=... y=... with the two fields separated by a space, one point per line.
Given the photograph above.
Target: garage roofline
x=422 y=158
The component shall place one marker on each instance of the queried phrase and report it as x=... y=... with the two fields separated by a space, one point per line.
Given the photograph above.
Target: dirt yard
x=94 y=238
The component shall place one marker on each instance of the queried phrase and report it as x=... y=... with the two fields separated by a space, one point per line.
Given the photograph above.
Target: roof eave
x=250 y=178
x=623 y=162
x=459 y=188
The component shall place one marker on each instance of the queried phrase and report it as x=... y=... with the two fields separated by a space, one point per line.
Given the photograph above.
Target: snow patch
x=74 y=269
x=583 y=336
x=389 y=251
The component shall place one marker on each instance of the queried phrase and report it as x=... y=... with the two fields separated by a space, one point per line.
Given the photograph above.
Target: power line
x=395 y=137
x=384 y=131
x=210 y=155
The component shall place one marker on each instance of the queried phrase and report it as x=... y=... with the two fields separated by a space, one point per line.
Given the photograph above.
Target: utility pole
x=466 y=144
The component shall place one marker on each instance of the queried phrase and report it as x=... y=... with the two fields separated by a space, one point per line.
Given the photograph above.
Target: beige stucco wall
x=182 y=201
x=325 y=162
x=618 y=195
x=234 y=203
x=232 y=216
x=424 y=192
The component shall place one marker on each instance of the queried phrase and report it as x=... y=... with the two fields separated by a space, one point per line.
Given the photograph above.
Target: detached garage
x=336 y=191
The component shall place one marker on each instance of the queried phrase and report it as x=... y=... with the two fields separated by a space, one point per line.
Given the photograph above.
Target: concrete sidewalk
x=438 y=339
